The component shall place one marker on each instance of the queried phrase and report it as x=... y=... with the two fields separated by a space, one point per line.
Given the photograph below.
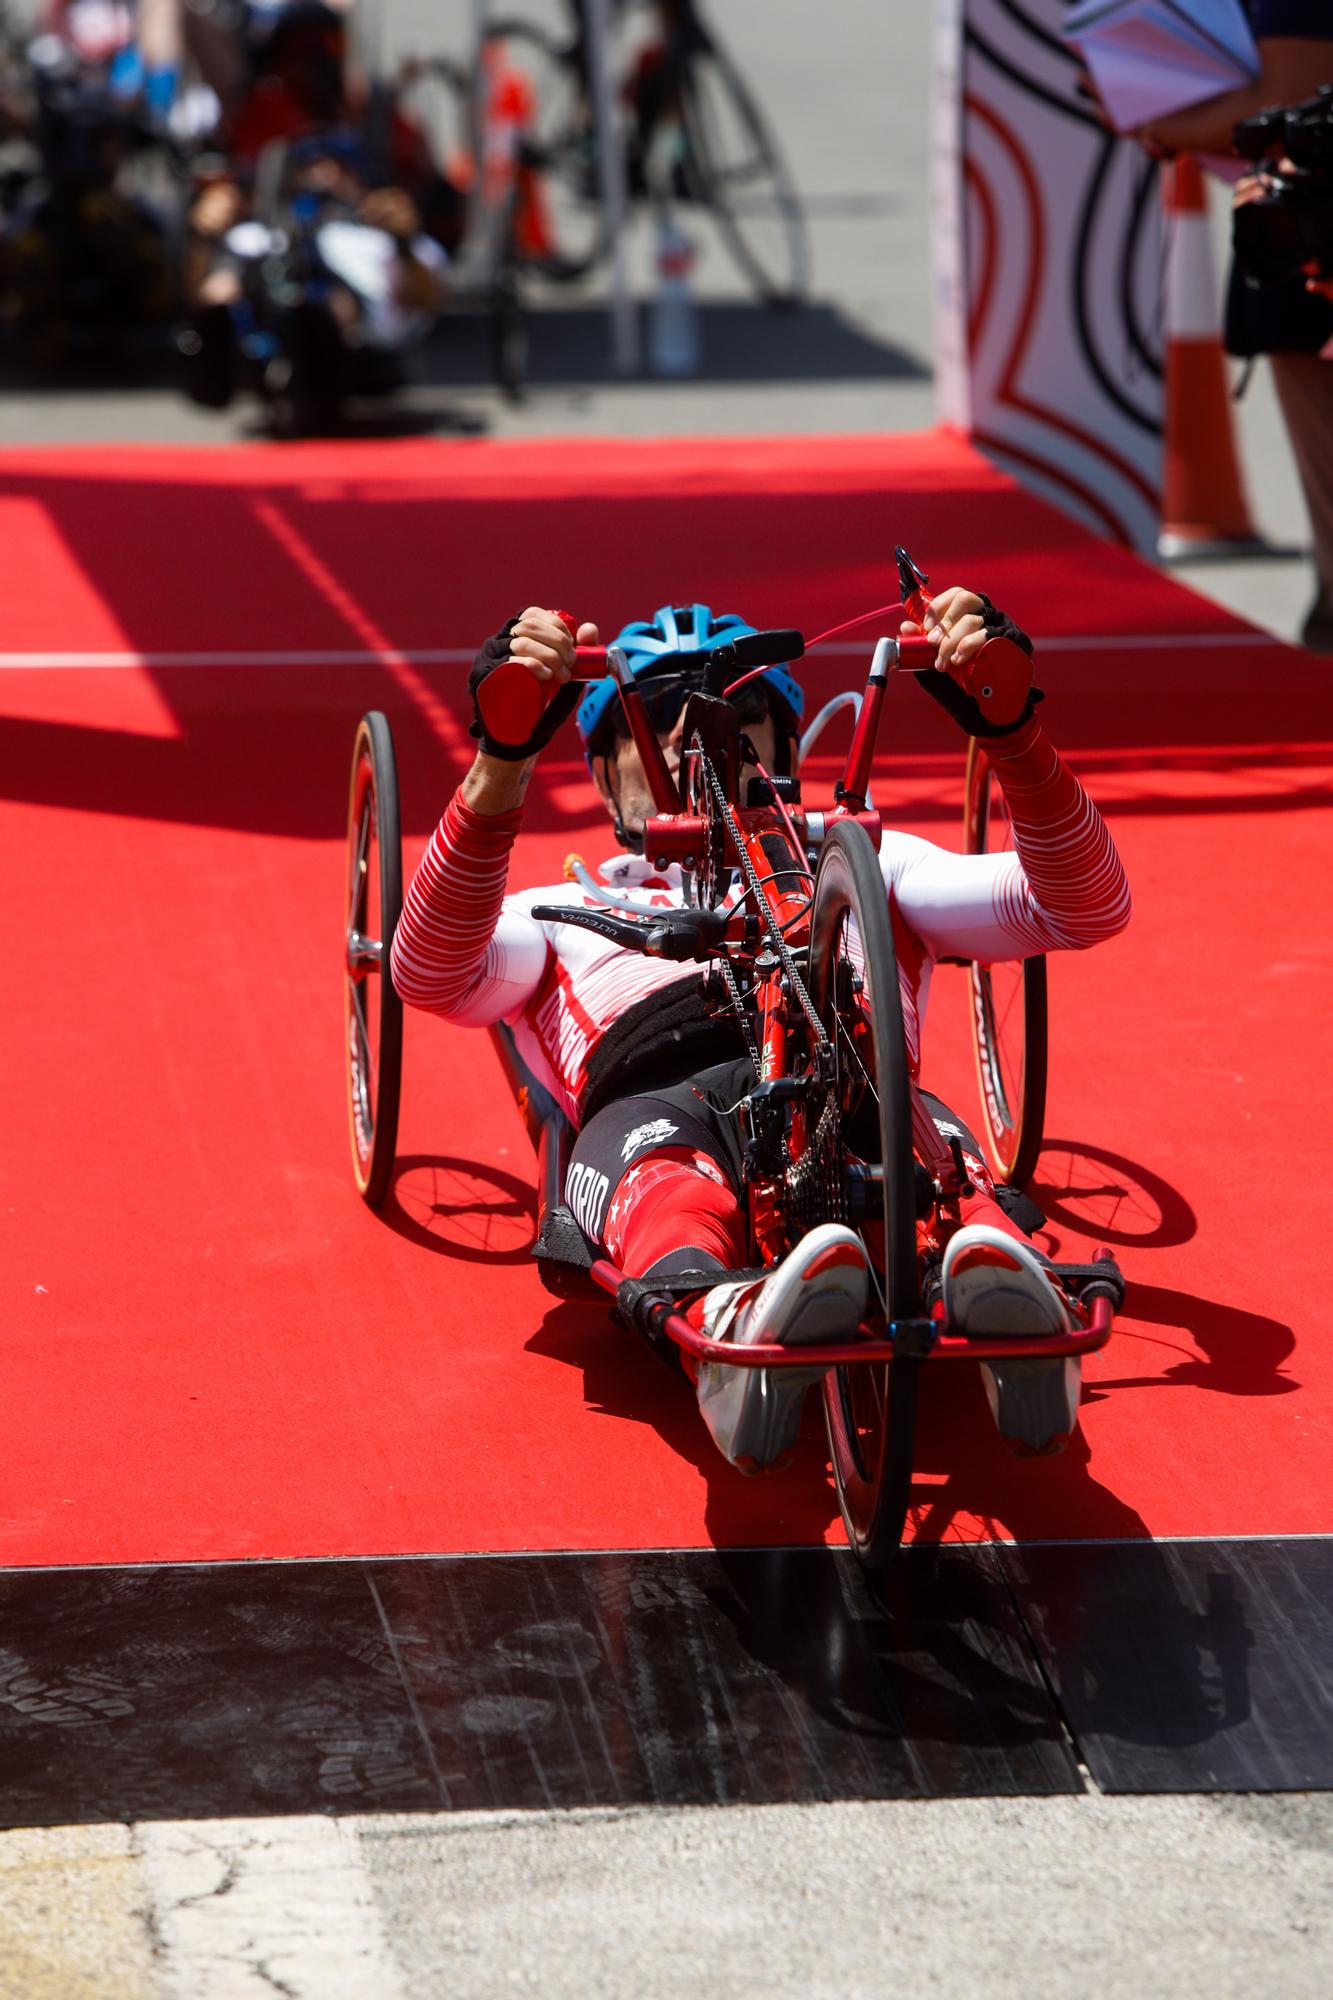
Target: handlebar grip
x=1000 y=678
x=510 y=700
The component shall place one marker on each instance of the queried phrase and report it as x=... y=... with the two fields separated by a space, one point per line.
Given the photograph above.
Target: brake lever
x=673 y=934
x=685 y=934
x=910 y=578
x=620 y=930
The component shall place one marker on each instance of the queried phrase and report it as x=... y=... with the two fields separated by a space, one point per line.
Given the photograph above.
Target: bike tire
x=560 y=146
x=753 y=199
x=1008 y=1008
x=372 y=1011
x=870 y=1411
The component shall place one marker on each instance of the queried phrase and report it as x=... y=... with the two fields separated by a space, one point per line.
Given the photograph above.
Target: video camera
x=1288 y=225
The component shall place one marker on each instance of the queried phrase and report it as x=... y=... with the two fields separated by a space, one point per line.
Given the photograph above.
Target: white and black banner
x=1048 y=270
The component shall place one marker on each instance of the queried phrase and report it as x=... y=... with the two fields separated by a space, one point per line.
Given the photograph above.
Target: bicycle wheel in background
x=853 y=982
x=372 y=1011
x=733 y=167
x=562 y=221
x=1008 y=1007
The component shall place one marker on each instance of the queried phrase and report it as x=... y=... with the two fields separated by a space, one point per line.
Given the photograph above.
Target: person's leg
x=1304 y=387
x=655 y=1183
x=994 y=1281
x=982 y=1204
x=675 y=1210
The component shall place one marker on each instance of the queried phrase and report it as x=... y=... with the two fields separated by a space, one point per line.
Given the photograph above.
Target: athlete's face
x=623 y=784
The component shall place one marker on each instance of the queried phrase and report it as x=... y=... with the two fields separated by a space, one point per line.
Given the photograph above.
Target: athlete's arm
x=458 y=951
x=1064 y=888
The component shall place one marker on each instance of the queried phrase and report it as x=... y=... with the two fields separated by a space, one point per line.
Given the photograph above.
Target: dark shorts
x=699 y=1113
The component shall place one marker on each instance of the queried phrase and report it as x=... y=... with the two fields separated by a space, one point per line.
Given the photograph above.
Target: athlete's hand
x=542 y=641
x=958 y=626
x=962 y=622
x=545 y=644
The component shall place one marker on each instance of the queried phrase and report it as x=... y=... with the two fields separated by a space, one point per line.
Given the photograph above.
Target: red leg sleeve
x=676 y=1199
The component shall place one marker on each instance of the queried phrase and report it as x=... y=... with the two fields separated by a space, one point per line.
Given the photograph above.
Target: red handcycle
x=785 y=909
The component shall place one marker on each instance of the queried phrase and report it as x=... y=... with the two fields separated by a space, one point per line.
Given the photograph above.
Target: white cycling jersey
x=469 y=951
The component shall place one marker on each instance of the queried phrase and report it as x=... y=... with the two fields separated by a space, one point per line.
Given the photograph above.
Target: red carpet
x=210 y=1349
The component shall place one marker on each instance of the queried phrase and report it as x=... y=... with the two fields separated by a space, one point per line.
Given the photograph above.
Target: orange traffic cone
x=1204 y=511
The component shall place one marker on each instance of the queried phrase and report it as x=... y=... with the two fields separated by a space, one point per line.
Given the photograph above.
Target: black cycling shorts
x=699 y=1112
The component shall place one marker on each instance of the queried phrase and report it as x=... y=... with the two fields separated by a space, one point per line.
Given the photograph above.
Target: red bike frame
x=674 y=834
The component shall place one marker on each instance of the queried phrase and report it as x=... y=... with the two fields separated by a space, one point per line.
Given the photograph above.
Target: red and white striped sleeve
x=1061 y=888
x=1069 y=889
x=458 y=950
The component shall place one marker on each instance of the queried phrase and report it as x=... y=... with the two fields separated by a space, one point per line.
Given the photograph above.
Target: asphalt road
x=1132 y=1897
x=1019 y=1899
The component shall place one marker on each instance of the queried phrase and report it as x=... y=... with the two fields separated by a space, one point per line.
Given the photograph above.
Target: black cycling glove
x=561 y=704
x=941 y=686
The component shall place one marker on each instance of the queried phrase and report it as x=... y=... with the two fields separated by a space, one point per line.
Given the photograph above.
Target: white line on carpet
x=363 y=656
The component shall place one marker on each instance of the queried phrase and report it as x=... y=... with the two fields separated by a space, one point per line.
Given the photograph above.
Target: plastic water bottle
x=673 y=326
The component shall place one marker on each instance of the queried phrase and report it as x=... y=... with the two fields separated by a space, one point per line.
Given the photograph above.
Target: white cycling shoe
x=818 y=1292
x=995 y=1284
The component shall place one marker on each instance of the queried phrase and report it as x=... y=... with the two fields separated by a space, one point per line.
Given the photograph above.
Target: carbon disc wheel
x=853 y=982
x=1007 y=1007
x=372 y=1011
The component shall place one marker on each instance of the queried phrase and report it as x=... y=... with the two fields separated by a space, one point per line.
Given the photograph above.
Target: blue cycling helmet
x=675 y=630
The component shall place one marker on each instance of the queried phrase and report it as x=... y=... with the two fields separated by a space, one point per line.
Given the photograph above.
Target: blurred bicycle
x=693 y=134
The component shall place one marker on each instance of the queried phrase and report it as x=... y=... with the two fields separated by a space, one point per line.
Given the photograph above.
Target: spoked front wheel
x=853 y=982
x=372 y=1011
x=1008 y=1007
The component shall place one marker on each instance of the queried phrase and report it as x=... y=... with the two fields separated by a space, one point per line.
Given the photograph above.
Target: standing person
x=636 y=1054
x=1293 y=327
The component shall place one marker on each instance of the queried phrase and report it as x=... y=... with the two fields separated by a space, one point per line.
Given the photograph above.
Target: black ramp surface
x=1188 y=1666
x=698 y=1677
x=200 y=1693
x=254 y=1689
x=718 y=1677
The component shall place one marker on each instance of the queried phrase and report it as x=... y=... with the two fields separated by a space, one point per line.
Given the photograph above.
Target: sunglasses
x=664 y=701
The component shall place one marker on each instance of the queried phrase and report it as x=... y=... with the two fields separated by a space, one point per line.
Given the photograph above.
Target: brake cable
x=862 y=618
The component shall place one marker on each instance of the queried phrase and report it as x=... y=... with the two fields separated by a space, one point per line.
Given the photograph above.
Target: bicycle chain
x=814 y=1188
x=712 y=875
x=742 y=1013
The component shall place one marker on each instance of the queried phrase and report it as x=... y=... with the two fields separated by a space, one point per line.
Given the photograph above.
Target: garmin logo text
x=586 y=1191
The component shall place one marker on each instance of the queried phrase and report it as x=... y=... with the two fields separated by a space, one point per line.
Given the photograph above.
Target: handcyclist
x=650 y=1073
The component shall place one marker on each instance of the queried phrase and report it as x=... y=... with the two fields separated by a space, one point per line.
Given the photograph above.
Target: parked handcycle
x=695 y=134
x=786 y=908
x=521 y=127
